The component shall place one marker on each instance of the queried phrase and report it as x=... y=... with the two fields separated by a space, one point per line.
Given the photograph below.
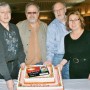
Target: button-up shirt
x=55 y=38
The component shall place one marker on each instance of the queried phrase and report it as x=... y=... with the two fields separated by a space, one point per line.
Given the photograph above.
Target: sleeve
x=66 y=55
x=50 y=42
x=89 y=48
x=21 y=54
x=3 y=65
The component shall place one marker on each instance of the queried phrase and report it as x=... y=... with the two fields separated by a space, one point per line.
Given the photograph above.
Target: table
x=69 y=84
x=76 y=84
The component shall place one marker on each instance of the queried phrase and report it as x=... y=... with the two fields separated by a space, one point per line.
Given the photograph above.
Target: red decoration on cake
x=50 y=80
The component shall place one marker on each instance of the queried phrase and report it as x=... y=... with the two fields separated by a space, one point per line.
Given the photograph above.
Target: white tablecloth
x=76 y=84
x=70 y=84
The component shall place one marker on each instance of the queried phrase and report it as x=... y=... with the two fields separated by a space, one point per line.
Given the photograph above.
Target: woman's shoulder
x=67 y=36
x=87 y=32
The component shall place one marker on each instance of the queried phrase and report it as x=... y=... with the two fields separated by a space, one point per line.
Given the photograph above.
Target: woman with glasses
x=77 y=47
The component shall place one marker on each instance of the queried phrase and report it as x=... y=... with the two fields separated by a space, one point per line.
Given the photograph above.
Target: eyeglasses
x=32 y=12
x=75 y=20
x=58 y=10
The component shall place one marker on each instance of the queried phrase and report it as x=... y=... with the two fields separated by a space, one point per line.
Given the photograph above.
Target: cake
x=40 y=77
x=39 y=74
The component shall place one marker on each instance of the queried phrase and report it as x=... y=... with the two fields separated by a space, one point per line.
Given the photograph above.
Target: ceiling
x=18 y=7
x=45 y=5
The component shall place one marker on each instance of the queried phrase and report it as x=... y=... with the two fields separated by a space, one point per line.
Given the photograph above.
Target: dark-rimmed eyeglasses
x=75 y=20
x=32 y=12
x=61 y=9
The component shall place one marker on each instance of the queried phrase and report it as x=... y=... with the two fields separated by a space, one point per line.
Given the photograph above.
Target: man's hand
x=10 y=84
x=89 y=77
x=60 y=66
x=22 y=66
x=48 y=62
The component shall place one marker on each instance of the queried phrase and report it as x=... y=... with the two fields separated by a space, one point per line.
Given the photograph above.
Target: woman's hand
x=10 y=84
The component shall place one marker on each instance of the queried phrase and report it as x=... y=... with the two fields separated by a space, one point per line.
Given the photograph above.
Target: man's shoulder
x=22 y=23
x=67 y=36
x=43 y=23
x=53 y=22
x=87 y=33
x=13 y=25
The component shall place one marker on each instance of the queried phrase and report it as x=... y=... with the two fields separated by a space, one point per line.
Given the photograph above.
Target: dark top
x=11 y=48
x=78 y=52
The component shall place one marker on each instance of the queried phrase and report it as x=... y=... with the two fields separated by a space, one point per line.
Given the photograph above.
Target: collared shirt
x=11 y=40
x=55 y=38
x=11 y=48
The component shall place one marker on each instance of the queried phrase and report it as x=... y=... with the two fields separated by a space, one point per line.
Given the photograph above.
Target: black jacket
x=5 y=54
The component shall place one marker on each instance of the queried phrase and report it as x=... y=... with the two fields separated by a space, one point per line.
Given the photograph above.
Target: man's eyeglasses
x=32 y=12
x=58 y=10
x=75 y=20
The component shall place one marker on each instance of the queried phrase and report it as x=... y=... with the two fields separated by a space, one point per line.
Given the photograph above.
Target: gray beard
x=32 y=21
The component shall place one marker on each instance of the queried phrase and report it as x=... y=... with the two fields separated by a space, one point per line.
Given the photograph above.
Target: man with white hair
x=55 y=38
x=11 y=48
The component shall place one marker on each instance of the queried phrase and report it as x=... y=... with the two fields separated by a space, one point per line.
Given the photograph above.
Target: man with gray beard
x=33 y=35
x=55 y=38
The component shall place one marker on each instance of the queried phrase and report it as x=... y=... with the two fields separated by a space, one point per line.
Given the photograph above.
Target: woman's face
x=74 y=22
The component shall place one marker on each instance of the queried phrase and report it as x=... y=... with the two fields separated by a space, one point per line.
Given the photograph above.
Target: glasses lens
x=31 y=12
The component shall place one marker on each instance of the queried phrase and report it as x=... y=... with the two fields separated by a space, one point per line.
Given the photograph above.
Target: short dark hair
x=31 y=3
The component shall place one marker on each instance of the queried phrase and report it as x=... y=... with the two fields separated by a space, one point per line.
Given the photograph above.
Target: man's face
x=32 y=14
x=59 y=11
x=5 y=14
